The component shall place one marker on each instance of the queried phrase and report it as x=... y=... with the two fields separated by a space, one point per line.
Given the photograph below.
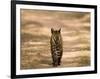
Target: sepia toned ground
x=35 y=38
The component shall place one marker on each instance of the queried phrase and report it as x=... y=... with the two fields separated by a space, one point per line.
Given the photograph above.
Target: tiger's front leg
x=59 y=61
x=55 y=61
x=59 y=58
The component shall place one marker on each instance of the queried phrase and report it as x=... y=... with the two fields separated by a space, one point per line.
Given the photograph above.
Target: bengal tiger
x=56 y=47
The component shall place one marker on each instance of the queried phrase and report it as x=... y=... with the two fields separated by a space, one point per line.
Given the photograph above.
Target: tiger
x=56 y=47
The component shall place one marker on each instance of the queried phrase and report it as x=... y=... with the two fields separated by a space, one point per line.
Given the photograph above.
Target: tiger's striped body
x=56 y=47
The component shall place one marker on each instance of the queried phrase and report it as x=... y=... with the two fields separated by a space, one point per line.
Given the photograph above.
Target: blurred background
x=35 y=38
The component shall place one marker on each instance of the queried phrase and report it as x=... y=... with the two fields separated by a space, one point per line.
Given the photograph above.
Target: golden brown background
x=35 y=38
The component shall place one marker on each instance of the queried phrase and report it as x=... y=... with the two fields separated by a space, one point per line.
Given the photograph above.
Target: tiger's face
x=55 y=32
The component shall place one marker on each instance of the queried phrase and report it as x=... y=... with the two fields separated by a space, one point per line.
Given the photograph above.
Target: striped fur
x=56 y=47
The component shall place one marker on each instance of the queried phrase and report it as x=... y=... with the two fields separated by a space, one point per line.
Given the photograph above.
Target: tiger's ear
x=52 y=30
x=59 y=30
